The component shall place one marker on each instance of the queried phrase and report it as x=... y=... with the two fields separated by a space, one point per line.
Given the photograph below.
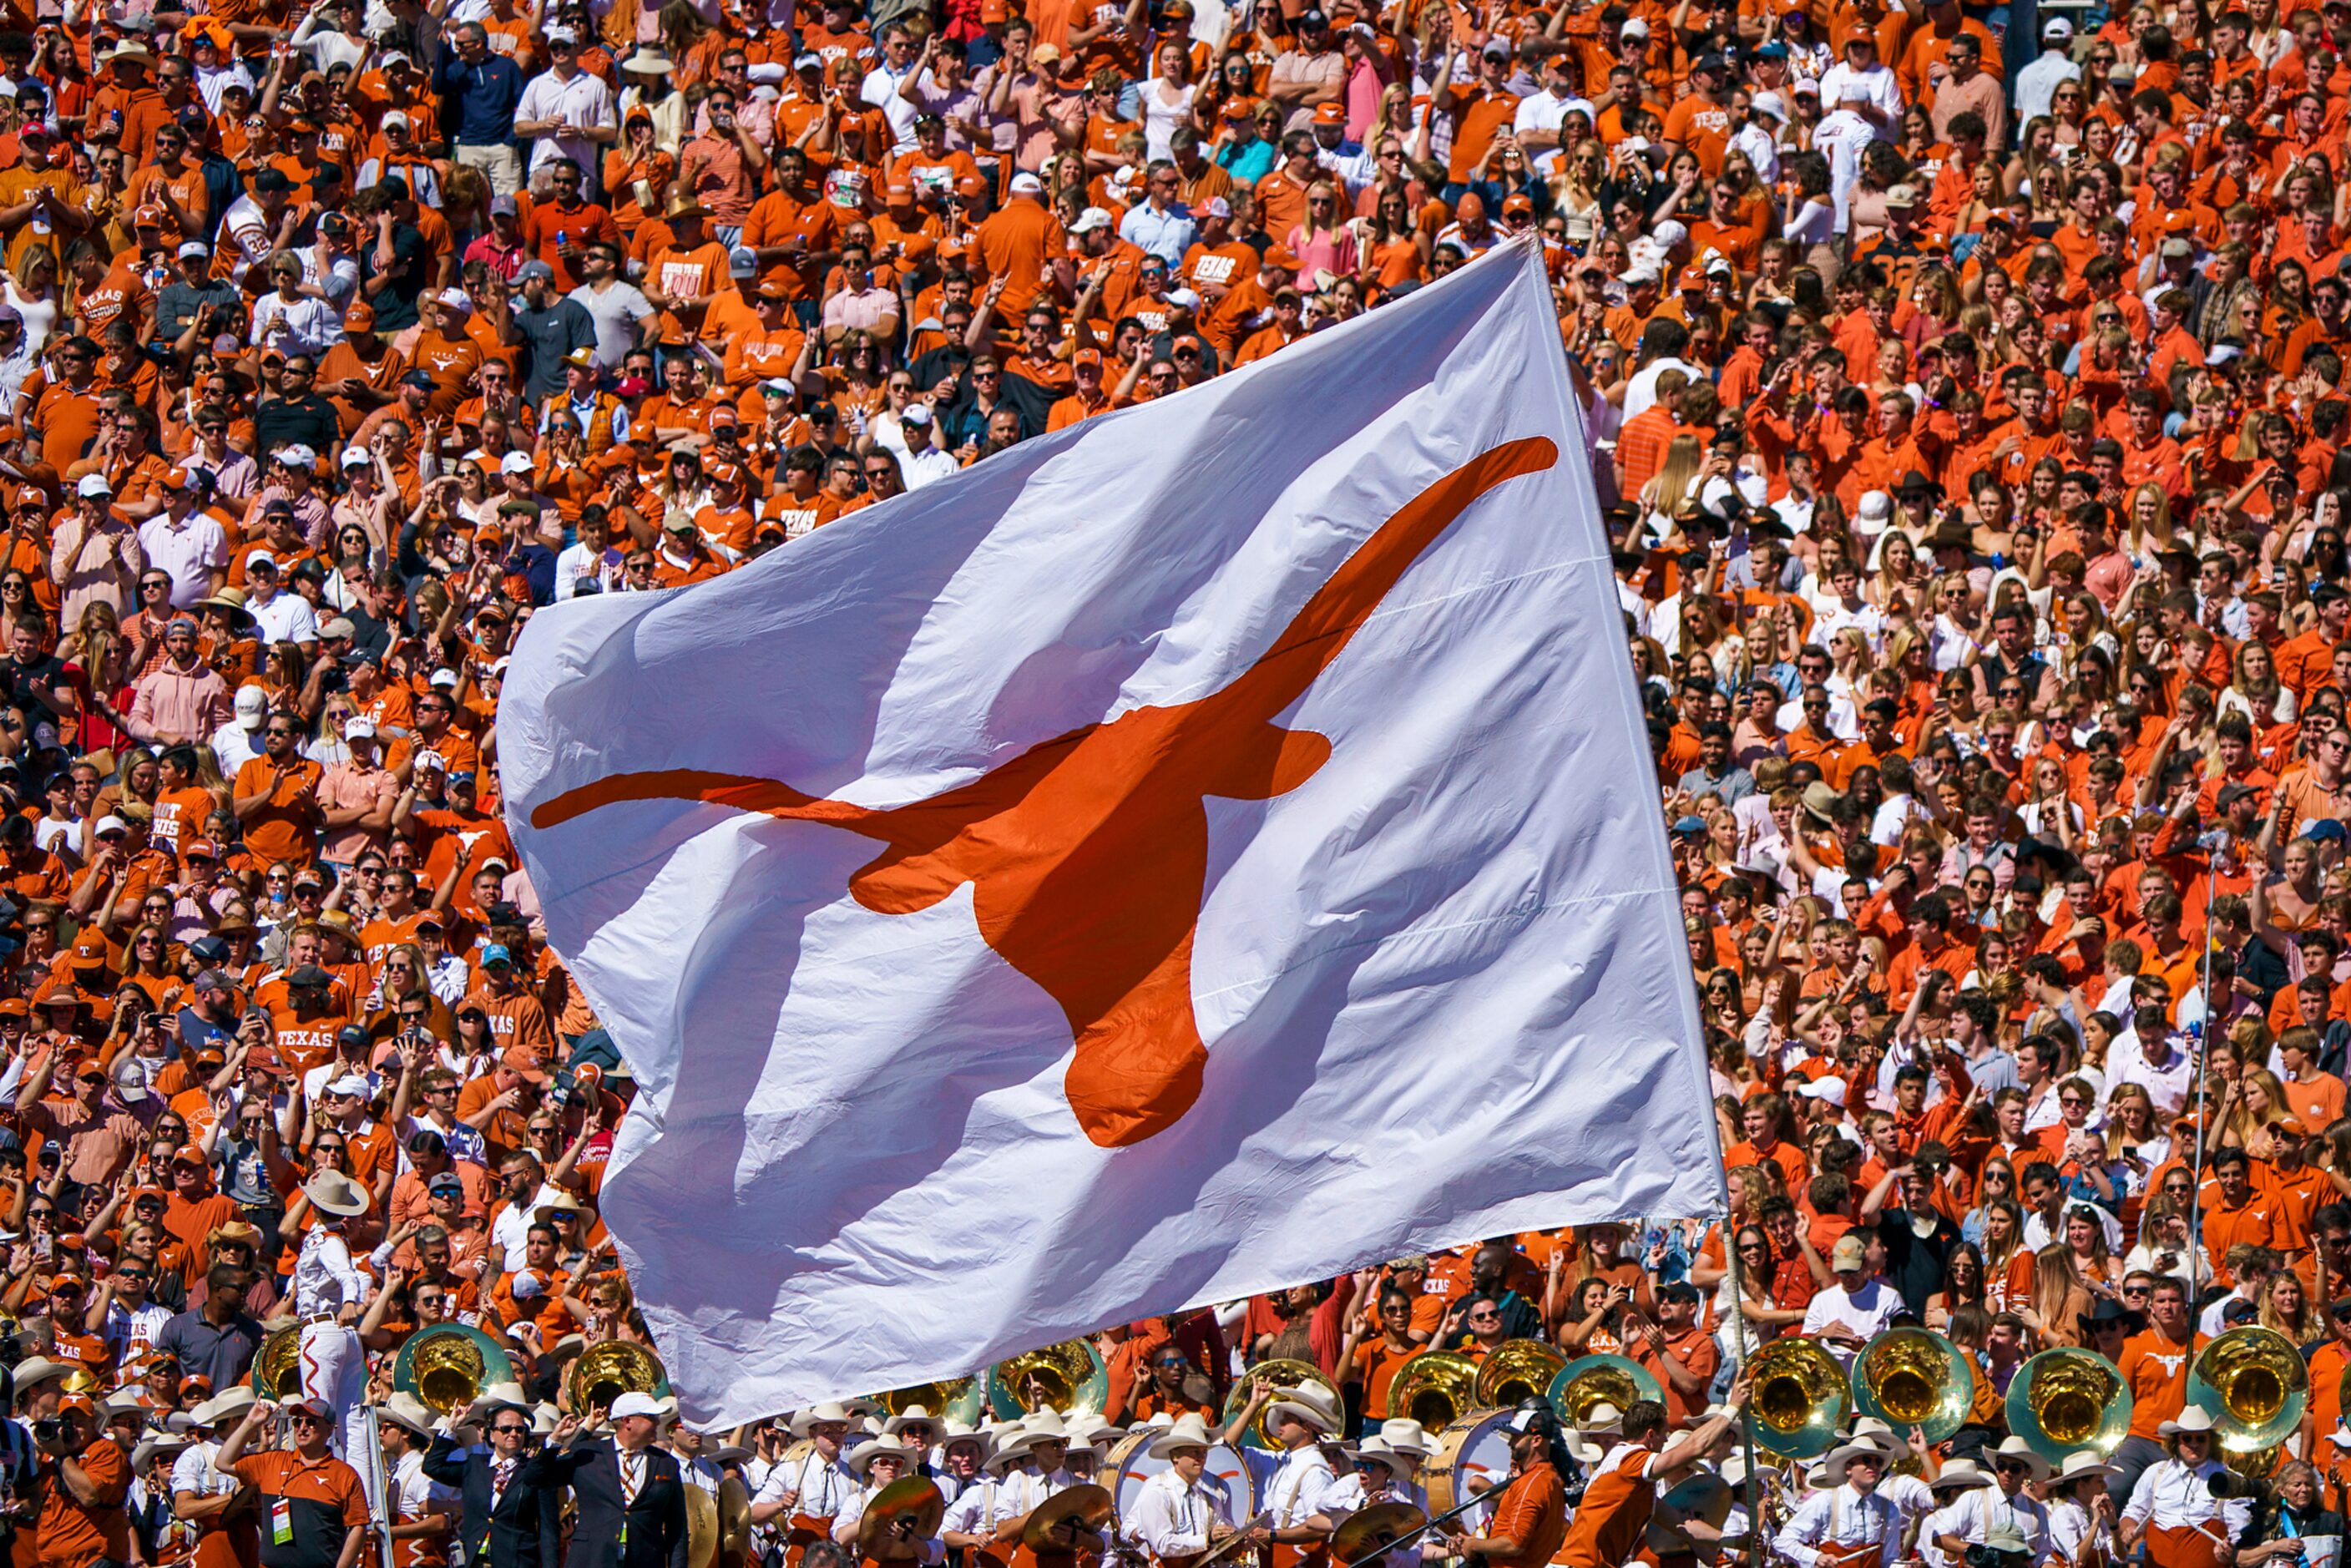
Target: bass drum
x=1129 y=1464
x=1473 y=1455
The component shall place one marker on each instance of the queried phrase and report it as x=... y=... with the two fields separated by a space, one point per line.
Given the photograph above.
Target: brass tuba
x=605 y=1372
x=1800 y=1397
x=1285 y=1375
x=2256 y=1384
x=449 y=1364
x=1059 y=1376
x=1435 y=1388
x=957 y=1398
x=1590 y=1380
x=2063 y=1401
x=1515 y=1370
x=278 y=1369
x=1914 y=1377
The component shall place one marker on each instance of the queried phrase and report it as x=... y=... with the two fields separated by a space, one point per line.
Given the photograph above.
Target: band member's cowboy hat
x=1190 y=1430
x=911 y=1416
x=2017 y=1451
x=1406 y=1438
x=404 y=1410
x=1958 y=1475
x=2080 y=1465
x=1841 y=1459
x=2188 y=1423
x=829 y=1411
x=860 y=1457
x=952 y=1431
x=1308 y=1404
x=495 y=1397
x=223 y=1408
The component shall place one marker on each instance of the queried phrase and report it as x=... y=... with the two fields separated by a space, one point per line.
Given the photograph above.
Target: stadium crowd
x=1970 y=403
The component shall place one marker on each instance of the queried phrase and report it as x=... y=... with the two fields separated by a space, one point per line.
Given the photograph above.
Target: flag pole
x=2203 y=1041
x=1751 y=1486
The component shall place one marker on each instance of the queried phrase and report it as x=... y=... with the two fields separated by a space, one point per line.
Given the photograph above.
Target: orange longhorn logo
x=1088 y=853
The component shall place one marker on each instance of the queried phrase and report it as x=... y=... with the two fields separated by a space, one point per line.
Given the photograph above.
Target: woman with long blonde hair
x=2058 y=1300
x=1673 y=484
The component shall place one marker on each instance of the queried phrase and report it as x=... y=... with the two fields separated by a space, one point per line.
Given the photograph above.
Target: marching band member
x=2172 y=1507
x=1183 y=1511
x=810 y=1492
x=1530 y=1519
x=2004 y=1503
x=971 y=1519
x=327 y=1291
x=423 y=1511
x=1948 y=1487
x=1911 y=1496
x=2082 y=1513
x=917 y=1428
x=1381 y=1474
x=220 y=1510
x=1620 y=1498
x=962 y=1451
x=1036 y=1471
x=879 y=1461
x=1295 y=1481
x=696 y=1456
x=1846 y=1525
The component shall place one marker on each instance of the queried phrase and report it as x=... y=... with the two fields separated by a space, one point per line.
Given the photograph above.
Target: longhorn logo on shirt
x=1089 y=852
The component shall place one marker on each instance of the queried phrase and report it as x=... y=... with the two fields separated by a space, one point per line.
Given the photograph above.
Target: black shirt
x=308 y=419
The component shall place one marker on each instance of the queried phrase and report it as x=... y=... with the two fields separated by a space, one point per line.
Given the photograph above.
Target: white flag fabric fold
x=1198 y=851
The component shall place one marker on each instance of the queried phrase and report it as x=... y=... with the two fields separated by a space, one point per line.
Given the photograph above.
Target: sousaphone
x=605 y=1372
x=2063 y=1401
x=1914 y=1377
x=1069 y=1375
x=1516 y=1371
x=449 y=1364
x=2255 y=1382
x=1800 y=1397
x=1435 y=1388
x=277 y=1368
x=1594 y=1380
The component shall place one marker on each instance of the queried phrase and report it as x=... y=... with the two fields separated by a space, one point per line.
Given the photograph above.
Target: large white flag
x=1196 y=851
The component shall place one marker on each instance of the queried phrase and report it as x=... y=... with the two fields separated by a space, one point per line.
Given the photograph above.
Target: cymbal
x=701 y=1529
x=916 y=1499
x=734 y=1518
x=1370 y=1530
x=1089 y=1505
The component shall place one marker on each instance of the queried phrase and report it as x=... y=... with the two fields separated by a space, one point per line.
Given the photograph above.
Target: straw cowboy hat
x=831 y=1410
x=1308 y=1404
x=1189 y=1430
x=154 y=1445
x=1013 y=1442
x=332 y=1192
x=2021 y=1451
x=860 y=1457
x=952 y=1431
x=2193 y=1419
x=911 y=1416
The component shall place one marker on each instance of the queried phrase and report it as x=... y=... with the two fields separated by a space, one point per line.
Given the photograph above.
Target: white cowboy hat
x=35 y=1370
x=1404 y=1435
x=332 y=1192
x=1375 y=1447
x=1013 y=1440
x=1959 y=1473
x=831 y=1410
x=2081 y=1465
x=404 y=1410
x=227 y=1405
x=1190 y=1431
x=911 y=1416
x=952 y=1431
x=1092 y=1424
x=1308 y=1404
x=497 y=1396
x=544 y=1418
x=2021 y=1451
x=152 y=1446
x=860 y=1457
x=1839 y=1459
x=1603 y=1419
x=2193 y=1419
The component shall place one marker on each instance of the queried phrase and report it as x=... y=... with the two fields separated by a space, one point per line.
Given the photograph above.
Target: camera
x=48 y=1431
x=1985 y=1557
x=2228 y=1483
